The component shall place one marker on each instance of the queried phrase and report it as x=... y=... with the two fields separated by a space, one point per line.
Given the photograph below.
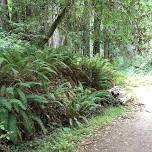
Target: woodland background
x=58 y=58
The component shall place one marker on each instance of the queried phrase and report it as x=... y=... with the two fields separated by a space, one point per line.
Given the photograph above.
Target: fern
x=28 y=84
x=40 y=123
x=17 y=104
x=3 y=91
x=4 y=117
x=36 y=98
x=13 y=107
x=27 y=122
x=5 y=104
x=101 y=73
x=12 y=128
x=21 y=96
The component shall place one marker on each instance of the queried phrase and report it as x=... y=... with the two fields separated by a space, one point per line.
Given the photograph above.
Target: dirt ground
x=131 y=133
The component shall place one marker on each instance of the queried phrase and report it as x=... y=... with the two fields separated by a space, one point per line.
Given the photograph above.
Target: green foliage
x=44 y=87
x=139 y=64
x=81 y=103
x=67 y=139
x=41 y=88
x=81 y=106
x=101 y=73
x=16 y=113
x=3 y=136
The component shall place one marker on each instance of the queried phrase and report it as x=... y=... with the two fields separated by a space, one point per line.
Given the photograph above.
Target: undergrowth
x=66 y=139
x=41 y=89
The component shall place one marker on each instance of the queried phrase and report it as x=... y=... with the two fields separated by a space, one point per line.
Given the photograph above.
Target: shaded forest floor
x=132 y=132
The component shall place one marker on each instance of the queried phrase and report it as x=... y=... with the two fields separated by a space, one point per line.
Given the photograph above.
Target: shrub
x=101 y=73
x=79 y=103
x=16 y=112
x=50 y=87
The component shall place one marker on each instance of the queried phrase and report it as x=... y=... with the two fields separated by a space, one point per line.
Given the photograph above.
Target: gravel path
x=132 y=133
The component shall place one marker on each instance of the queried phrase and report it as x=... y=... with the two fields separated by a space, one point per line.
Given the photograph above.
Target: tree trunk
x=96 y=44
x=106 y=49
x=86 y=30
x=4 y=15
x=106 y=44
x=53 y=27
x=56 y=23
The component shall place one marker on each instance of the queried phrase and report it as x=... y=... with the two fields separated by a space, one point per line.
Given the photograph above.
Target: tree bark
x=86 y=30
x=106 y=44
x=106 y=49
x=4 y=15
x=56 y=23
x=53 y=27
x=96 y=44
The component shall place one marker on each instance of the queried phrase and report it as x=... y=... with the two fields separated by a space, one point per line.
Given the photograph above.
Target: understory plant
x=17 y=113
x=41 y=89
x=100 y=72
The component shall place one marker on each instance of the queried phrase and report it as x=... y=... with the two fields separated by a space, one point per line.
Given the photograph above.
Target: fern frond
x=36 y=98
x=17 y=104
x=40 y=123
x=12 y=128
x=4 y=117
x=5 y=104
x=27 y=122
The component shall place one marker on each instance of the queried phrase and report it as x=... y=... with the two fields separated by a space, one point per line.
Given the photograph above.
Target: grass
x=67 y=139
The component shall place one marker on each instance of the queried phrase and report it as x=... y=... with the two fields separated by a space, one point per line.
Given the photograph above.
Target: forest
x=58 y=59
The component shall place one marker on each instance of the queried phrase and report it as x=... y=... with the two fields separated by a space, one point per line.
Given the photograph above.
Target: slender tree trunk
x=86 y=43
x=4 y=15
x=86 y=30
x=56 y=23
x=106 y=44
x=53 y=27
x=106 y=49
x=97 y=42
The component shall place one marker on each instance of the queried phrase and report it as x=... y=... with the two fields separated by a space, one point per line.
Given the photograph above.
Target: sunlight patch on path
x=144 y=96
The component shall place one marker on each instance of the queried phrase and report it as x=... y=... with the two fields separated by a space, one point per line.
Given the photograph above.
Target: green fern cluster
x=16 y=114
x=101 y=73
x=24 y=75
x=33 y=94
x=79 y=103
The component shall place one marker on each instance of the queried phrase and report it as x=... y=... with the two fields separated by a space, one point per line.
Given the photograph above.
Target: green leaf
x=36 y=98
x=12 y=128
x=4 y=117
x=26 y=122
x=5 y=104
x=49 y=70
x=29 y=84
x=10 y=91
x=17 y=104
x=40 y=123
x=22 y=96
x=3 y=91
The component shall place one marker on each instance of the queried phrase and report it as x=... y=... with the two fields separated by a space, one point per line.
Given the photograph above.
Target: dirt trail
x=133 y=133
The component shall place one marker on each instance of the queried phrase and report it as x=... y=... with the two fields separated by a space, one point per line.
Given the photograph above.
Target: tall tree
x=56 y=23
x=106 y=43
x=97 y=31
x=86 y=29
x=4 y=15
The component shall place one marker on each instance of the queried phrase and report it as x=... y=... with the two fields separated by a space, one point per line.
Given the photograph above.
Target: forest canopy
x=90 y=27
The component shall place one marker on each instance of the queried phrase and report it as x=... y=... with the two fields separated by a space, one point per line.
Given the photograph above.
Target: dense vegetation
x=59 y=58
